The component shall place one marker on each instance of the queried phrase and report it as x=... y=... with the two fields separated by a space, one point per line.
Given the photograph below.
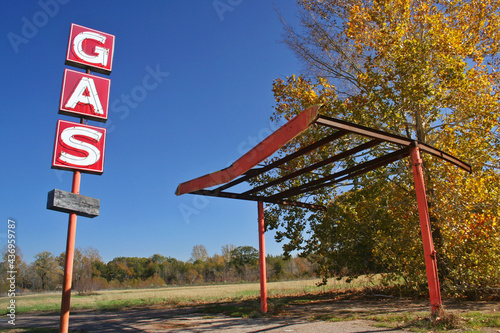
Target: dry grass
x=112 y=299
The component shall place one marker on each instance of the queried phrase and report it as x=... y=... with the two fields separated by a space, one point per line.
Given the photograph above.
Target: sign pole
x=262 y=259
x=68 y=261
x=70 y=254
x=425 y=227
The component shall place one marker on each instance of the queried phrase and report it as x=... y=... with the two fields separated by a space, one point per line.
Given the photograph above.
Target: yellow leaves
x=478 y=227
x=311 y=94
x=395 y=62
x=468 y=214
x=298 y=93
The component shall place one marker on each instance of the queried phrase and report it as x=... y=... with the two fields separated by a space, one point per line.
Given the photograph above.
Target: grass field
x=241 y=300
x=116 y=299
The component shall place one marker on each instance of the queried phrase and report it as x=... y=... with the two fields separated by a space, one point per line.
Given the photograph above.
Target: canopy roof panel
x=245 y=168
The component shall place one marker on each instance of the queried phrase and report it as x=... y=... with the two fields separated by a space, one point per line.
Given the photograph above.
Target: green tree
x=424 y=69
x=245 y=260
x=277 y=267
x=244 y=255
x=46 y=268
x=156 y=266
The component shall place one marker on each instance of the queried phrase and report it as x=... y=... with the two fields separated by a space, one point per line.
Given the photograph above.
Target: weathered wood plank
x=68 y=202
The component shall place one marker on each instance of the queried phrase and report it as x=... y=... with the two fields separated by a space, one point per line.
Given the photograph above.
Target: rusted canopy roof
x=243 y=169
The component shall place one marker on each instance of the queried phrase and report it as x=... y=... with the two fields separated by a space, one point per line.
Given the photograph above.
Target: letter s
x=68 y=138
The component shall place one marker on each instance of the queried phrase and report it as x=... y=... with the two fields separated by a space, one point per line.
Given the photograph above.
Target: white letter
x=78 y=95
x=67 y=136
x=187 y=211
x=221 y=7
x=102 y=53
x=16 y=40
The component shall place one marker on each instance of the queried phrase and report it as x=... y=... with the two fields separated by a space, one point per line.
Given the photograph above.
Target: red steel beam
x=363 y=130
x=256 y=155
x=351 y=172
x=314 y=166
x=258 y=171
x=425 y=228
x=240 y=196
x=444 y=156
x=362 y=169
x=389 y=137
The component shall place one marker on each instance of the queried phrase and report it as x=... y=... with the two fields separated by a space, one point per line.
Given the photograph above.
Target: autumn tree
x=226 y=255
x=85 y=262
x=424 y=69
x=226 y=252
x=199 y=253
x=12 y=264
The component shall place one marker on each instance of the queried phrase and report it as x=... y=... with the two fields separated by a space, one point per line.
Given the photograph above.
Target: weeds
x=450 y=321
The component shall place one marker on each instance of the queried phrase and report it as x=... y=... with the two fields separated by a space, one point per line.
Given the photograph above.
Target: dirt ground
x=290 y=317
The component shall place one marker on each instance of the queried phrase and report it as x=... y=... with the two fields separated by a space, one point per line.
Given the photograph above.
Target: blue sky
x=213 y=101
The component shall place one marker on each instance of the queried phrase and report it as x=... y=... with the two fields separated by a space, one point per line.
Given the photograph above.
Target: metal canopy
x=244 y=169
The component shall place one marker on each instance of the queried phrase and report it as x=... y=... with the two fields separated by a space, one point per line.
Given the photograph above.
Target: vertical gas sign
x=80 y=147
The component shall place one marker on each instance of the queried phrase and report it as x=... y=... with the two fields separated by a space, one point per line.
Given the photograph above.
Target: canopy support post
x=429 y=251
x=262 y=259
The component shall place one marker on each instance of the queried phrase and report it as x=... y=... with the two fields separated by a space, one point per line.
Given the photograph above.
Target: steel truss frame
x=246 y=168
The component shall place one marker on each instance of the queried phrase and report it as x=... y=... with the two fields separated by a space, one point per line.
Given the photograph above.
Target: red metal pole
x=262 y=260
x=429 y=251
x=68 y=260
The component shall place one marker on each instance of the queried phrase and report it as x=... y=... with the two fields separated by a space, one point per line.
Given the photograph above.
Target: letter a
x=79 y=95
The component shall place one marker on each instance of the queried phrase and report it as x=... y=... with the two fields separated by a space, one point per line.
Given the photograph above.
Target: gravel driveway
x=189 y=320
x=293 y=318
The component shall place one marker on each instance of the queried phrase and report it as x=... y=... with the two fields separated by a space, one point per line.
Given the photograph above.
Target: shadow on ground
x=327 y=312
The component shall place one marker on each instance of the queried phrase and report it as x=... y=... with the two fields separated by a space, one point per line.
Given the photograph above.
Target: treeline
x=234 y=264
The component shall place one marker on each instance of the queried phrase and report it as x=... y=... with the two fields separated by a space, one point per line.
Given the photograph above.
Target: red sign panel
x=85 y=95
x=89 y=48
x=79 y=147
